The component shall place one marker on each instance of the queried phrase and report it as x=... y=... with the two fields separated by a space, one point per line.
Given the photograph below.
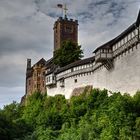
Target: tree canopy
x=89 y=116
x=69 y=52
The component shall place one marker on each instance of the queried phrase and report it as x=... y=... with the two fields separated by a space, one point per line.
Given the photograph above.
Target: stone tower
x=65 y=29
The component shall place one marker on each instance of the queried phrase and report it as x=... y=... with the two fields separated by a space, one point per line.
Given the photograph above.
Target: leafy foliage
x=68 y=53
x=90 y=116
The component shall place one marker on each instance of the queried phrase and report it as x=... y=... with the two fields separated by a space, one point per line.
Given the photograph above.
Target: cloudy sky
x=26 y=31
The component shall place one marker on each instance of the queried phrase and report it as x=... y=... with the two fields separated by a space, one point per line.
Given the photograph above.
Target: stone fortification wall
x=124 y=77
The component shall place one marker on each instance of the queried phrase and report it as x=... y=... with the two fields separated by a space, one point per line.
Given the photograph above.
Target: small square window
x=75 y=80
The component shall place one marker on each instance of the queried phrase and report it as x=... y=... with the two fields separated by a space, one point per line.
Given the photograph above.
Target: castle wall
x=124 y=77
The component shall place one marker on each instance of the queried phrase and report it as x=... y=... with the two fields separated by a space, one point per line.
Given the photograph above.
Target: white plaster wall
x=125 y=77
x=126 y=74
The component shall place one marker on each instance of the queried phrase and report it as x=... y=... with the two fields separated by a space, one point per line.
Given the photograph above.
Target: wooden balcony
x=101 y=57
x=105 y=56
x=50 y=80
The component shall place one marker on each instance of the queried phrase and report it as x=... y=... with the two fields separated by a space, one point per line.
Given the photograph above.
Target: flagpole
x=60 y=6
x=65 y=10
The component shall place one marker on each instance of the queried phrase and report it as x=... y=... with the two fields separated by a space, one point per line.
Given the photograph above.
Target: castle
x=114 y=66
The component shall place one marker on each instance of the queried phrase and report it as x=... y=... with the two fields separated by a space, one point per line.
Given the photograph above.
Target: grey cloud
x=48 y=8
x=12 y=68
x=8 y=95
x=10 y=46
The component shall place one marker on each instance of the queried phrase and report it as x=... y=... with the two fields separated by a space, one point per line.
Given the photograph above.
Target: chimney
x=28 y=63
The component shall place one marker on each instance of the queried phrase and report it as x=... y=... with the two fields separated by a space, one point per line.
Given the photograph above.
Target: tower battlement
x=66 y=19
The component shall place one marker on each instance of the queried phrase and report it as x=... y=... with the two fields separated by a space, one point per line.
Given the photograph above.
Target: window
x=75 y=80
x=125 y=39
x=118 y=44
x=114 y=47
x=121 y=43
x=62 y=82
x=53 y=78
x=136 y=31
x=69 y=29
x=133 y=34
x=129 y=36
x=48 y=79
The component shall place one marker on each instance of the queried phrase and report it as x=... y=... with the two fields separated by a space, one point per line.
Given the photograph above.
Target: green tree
x=12 y=111
x=90 y=116
x=68 y=53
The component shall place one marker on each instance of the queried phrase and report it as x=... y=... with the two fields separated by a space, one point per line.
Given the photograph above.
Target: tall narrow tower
x=65 y=29
x=28 y=64
x=28 y=75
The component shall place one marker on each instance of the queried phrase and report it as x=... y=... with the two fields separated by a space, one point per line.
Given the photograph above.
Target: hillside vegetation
x=90 y=116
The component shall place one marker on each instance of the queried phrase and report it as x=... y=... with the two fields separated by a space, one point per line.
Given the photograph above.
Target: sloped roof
x=41 y=61
x=104 y=46
x=56 y=69
x=127 y=31
x=49 y=62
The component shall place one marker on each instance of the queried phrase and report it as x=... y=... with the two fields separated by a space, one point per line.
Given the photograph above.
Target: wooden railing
x=85 y=70
x=103 y=55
